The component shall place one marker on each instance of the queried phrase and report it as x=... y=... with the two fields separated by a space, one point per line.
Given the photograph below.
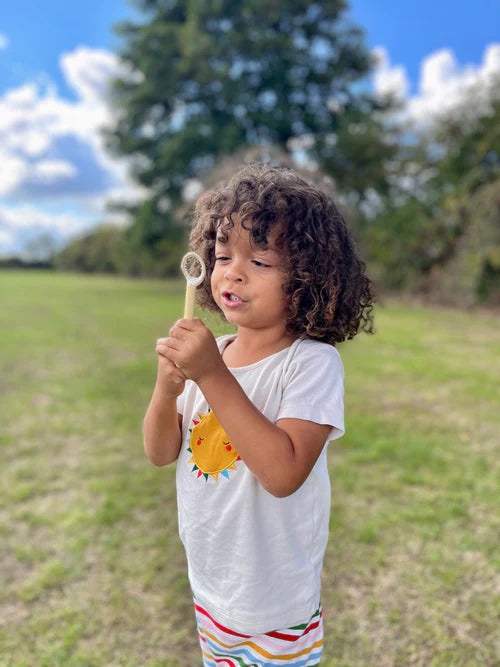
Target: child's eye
x=221 y=259
x=257 y=263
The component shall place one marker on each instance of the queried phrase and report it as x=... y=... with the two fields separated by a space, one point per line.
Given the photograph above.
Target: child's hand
x=192 y=347
x=170 y=379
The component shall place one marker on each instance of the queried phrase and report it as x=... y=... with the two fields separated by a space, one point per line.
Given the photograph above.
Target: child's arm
x=162 y=424
x=280 y=455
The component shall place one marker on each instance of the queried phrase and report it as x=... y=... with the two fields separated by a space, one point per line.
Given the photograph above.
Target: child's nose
x=234 y=272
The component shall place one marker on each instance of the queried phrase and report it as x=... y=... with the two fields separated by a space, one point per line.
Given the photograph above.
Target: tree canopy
x=212 y=82
x=443 y=237
x=211 y=76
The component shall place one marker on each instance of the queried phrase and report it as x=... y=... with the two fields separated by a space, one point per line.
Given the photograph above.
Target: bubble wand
x=187 y=264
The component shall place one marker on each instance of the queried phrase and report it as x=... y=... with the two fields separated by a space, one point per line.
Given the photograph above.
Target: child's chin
x=231 y=316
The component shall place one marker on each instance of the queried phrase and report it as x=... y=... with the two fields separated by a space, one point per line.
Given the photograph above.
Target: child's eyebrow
x=266 y=248
x=222 y=240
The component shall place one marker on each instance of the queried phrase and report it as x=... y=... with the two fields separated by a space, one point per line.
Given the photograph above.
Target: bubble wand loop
x=187 y=263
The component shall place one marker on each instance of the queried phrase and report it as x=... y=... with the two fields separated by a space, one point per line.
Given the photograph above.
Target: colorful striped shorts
x=301 y=645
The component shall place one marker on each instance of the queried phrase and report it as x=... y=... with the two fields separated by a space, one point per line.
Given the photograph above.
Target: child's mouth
x=232 y=300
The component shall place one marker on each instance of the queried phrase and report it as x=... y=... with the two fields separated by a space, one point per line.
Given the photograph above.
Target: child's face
x=247 y=281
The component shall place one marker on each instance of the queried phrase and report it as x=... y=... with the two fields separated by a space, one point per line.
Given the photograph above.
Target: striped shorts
x=300 y=645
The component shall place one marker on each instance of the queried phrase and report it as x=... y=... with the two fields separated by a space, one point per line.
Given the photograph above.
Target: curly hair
x=328 y=294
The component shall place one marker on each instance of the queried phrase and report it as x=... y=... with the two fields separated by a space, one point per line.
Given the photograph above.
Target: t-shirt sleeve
x=314 y=388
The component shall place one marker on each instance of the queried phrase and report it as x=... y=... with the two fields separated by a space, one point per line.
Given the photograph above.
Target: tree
x=95 y=251
x=443 y=234
x=210 y=77
x=41 y=248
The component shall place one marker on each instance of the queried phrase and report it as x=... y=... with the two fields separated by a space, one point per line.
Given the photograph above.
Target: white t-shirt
x=254 y=560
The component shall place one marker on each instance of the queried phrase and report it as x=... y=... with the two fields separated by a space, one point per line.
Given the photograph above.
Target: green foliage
x=211 y=83
x=442 y=235
x=96 y=251
x=152 y=246
x=357 y=150
x=209 y=77
x=472 y=272
x=470 y=140
x=206 y=79
x=399 y=247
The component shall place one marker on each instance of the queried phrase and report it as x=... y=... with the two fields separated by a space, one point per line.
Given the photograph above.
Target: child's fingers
x=161 y=350
x=169 y=373
x=162 y=355
x=164 y=345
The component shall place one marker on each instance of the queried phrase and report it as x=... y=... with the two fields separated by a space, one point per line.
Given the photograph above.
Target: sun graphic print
x=212 y=452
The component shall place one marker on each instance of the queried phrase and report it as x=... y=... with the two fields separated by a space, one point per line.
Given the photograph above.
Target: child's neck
x=251 y=346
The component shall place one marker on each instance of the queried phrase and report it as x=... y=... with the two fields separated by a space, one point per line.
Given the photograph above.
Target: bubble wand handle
x=189 y=302
x=187 y=263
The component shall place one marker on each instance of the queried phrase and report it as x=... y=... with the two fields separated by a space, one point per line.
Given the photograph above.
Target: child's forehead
x=233 y=228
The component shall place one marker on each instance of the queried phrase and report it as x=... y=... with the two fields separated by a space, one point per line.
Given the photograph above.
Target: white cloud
x=22 y=223
x=29 y=217
x=443 y=85
x=7 y=240
x=13 y=170
x=51 y=150
x=49 y=171
x=36 y=124
x=389 y=80
x=4 y=42
x=88 y=71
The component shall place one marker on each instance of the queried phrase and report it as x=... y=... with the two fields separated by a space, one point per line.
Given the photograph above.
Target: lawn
x=91 y=568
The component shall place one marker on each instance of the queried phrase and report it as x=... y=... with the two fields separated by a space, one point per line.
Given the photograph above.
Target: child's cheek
x=213 y=286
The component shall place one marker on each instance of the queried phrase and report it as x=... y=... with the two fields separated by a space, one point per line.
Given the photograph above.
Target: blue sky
x=38 y=32
x=56 y=58
x=410 y=31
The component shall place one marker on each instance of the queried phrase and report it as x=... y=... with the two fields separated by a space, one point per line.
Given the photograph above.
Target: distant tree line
x=212 y=84
x=20 y=263
x=442 y=236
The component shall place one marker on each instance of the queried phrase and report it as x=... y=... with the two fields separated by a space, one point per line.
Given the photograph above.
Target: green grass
x=91 y=568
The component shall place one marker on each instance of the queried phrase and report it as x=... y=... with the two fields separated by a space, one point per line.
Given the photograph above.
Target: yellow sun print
x=211 y=449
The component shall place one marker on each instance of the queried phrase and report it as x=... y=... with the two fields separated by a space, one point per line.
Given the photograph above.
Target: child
x=247 y=416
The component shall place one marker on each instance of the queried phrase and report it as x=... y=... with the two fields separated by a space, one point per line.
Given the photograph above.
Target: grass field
x=91 y=568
